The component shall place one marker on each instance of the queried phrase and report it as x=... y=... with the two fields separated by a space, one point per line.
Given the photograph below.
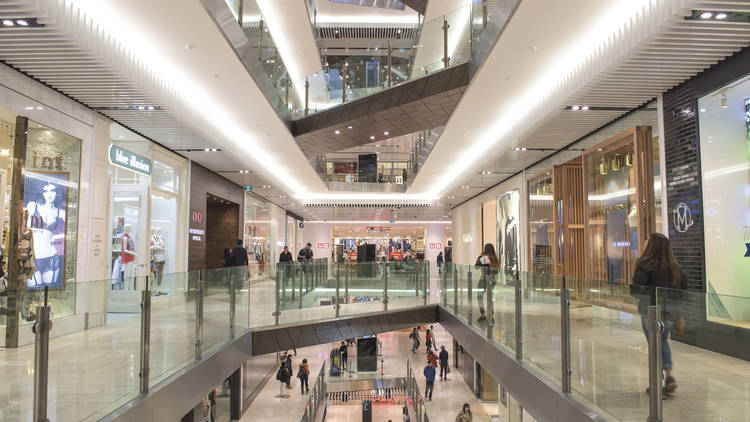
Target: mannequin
x=128 y=252
x=158 y=256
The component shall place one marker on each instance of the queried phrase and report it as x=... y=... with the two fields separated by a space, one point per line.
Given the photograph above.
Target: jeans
x=666 y=352
x=443 y=370
x=303 y=384
x=428 y=389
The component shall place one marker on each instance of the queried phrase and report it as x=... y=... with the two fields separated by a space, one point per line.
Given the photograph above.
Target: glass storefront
x=147 y=213
x=257 y=234
x=40 y=220
x=724 y=121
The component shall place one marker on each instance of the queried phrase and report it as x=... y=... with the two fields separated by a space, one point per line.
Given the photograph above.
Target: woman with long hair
x=490 y=265
x=657 y=267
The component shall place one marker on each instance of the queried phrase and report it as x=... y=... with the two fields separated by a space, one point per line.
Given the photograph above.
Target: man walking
x=429 y=375
x=238 y=258
x=443 y=363
x=344 y=353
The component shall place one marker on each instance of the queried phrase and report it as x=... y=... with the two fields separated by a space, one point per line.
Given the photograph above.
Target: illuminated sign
x=129 y=160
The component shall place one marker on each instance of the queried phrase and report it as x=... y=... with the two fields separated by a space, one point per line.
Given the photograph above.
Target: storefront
x=391 y=242
x=258 y=236
x=724 y=122
x=147 y=211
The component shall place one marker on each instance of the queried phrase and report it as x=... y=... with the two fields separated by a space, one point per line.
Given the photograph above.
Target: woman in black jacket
x=490 y=264
x=657 y=268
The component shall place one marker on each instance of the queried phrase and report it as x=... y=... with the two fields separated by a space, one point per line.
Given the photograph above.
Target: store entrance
x=222 y=228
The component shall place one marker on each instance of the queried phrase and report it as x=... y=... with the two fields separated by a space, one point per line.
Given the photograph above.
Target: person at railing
x=439 y=261
x=288 y=364
x=303 y=374
x=465 y=414
x=429 y=375
x=343 y=351
x=305 y=257
x=489 y=264
x=285 y=270
x=657 y=267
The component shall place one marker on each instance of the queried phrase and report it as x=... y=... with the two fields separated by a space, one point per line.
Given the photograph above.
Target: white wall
x=467 y=227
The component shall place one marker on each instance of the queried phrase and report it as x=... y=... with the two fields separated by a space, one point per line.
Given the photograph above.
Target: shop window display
x=541 y=224
x=618 y=175
x=46 y=211
x=146 y=213
x=724 y=121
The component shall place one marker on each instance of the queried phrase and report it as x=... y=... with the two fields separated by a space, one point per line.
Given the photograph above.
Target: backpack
x=281 y=374
x=300 y=373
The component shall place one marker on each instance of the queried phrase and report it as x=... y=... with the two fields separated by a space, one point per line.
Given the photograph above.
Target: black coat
x=646 y=279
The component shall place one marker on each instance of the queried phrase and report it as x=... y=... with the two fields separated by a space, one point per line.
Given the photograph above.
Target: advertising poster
x=45 y=199
x=508 y=214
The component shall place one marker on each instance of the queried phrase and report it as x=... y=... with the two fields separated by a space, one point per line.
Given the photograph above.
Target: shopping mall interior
x=375 y=210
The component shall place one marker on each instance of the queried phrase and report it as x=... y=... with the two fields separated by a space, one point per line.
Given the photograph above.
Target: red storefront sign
x=344 y=168
x=437 y=245
x=322 y=245
x=395 y=256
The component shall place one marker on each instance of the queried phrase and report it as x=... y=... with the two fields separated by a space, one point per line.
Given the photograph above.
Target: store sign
x=466 y=238
x=437 y=245
x=682 y=217
x=129 y=160
x=378 y=230
x=249 y=188
x=395 y=256
x=322 y=245
x=197 y=217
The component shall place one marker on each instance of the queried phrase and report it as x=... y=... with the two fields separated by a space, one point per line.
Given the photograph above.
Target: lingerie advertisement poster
x=508 y=214
x=45 y=201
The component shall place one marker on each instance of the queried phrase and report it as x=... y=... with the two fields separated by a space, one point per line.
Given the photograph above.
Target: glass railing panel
x=503 y=295
x=541 y=321
x=172 y=325
x=403 y=288
x=609 y=351
x=216 y=305
x=365 y=285
x=93 y=370
x=709 y=385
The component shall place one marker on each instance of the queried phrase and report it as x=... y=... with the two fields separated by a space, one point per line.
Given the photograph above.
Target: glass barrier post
x=444 y=290
x=302 y=278
x=41 y=360
x=426 y=280
x=346 y=281
x=655 y=328
x=470 y=313
x=232 y=306
x=385 y=287
x=455 y=290
x=337 y=303
x=519 y=320
x=446 y=59
x=565 y=337
x=199 y=292
x=280 y=272
x=488 y=294
x=307 y=96
x=145 y=338
x=390 y=53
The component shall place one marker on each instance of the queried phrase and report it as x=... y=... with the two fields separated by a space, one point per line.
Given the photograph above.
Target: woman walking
x=657 y=267
x=490 y=264
x=303 y=374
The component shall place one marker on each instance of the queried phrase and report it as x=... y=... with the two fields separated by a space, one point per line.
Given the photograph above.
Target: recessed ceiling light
x=349 y=127
x=207 y=149
x=706 y=15
x=386 y=133
x=141 y=108
x=29 y=108
x=584 y=108
x=39 y=108
x=703 y=110
x=8 y=22
x=575 y=108
x=721 y=16
x=150 y=107
x=336 y=131
x=23 y=22
x=120 y=137
x=372 y=137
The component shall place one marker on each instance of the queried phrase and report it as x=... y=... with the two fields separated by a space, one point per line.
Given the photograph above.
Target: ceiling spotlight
x=150 y=107
x=575 y=108
x=372 y=137
x=8 y=22
x=336 y=131
x=584 y=108
x=349 y=127
x=721 y=16
x=39 y=108
x=29 y=108
x=207 y=149
x=703 y=110
x=386 y=133
x=706 y=15
x=141 y=108
x=724 y=103
x=22 y=22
